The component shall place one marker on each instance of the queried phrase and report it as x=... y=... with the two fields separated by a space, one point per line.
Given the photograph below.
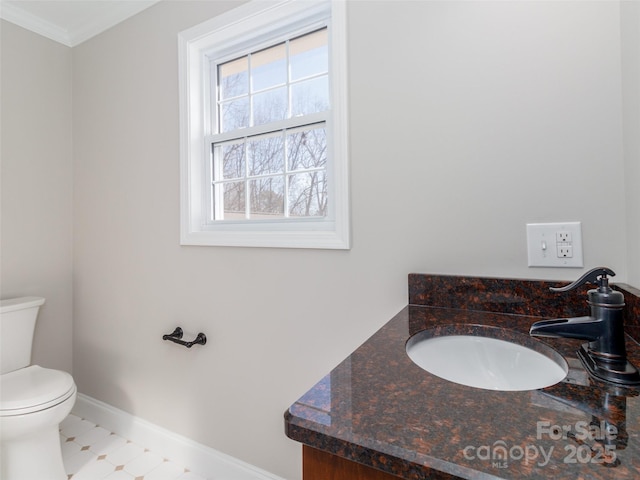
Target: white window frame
x=255 y=23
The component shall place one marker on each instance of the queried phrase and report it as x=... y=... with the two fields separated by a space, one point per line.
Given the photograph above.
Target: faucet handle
x=596 y=275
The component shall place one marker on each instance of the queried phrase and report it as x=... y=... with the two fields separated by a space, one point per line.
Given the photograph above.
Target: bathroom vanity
x=378 y=416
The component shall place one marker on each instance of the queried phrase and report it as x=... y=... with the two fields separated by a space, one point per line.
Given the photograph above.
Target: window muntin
x=269 y=172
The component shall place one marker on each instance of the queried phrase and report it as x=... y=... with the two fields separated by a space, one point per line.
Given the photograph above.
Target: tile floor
x=91 y=452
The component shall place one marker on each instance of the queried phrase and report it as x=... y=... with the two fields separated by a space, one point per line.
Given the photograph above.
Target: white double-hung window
x=264 y=127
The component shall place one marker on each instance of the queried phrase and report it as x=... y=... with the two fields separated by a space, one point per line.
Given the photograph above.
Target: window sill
x=328 y=238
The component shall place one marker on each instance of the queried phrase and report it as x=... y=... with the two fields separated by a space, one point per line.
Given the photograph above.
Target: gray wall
x=468 y=120
x=630 y=29
x=37 y=191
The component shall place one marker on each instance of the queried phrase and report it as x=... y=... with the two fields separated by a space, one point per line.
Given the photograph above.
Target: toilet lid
x=32 y=389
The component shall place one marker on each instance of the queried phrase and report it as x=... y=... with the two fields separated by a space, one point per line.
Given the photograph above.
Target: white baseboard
x=198 y=458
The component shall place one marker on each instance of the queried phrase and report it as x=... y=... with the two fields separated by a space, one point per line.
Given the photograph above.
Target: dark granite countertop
x=380 y=409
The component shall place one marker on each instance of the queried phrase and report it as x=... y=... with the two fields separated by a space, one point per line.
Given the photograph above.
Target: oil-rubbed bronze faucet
x=605 y=356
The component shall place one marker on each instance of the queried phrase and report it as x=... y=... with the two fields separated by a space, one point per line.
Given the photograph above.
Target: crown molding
x=16 y=15
x=117 y=12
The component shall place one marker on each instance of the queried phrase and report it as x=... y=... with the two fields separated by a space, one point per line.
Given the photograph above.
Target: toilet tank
x=17 y=323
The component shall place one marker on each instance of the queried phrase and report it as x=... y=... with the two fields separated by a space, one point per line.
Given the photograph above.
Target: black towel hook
x=176 y=336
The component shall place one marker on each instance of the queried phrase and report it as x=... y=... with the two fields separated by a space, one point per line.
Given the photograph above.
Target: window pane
x=266 y=154
x=309 y=55
x=267 y=197
x=234 y=200
x=308 y=194
x=233 y=78
x=232 y=157
x=234 y=114
x=269 y=68
x=270 y=106
x=307 y=149
x=310 y=96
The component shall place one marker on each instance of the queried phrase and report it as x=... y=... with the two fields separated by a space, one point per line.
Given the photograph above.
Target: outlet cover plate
x=546 y=248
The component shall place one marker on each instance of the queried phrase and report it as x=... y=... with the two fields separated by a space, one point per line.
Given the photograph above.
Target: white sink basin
x=487 y=357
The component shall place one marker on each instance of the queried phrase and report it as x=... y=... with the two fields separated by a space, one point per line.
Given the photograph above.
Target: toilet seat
x=32 y=389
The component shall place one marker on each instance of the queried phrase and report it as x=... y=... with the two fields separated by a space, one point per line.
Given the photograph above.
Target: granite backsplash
x=515 y=296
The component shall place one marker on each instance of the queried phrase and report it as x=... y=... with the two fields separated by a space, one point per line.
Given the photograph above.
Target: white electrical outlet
x=554 y=244
x=565 y=251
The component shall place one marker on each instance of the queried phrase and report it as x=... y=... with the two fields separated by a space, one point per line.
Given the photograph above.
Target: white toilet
x=33 y=400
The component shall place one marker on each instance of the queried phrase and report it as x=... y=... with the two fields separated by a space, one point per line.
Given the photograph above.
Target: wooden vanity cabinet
x=319 y=465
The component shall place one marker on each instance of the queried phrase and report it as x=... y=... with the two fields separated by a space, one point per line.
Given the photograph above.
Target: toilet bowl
x=33 y=402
